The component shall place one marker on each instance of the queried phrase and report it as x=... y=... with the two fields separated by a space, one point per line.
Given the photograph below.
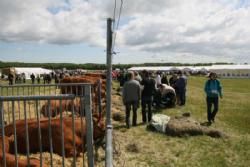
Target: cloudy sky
x=74 y=31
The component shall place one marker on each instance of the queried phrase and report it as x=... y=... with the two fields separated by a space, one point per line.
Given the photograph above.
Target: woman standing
x=213 y=90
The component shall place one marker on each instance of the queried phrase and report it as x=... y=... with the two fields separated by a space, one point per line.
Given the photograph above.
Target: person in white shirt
x=168 y=95
x=158 y=80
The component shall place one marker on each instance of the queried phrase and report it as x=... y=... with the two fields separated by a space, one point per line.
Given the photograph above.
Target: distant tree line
x=93 y=66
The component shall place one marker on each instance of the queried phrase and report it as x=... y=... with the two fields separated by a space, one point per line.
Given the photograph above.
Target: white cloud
x=31 y=20
x=206 y=30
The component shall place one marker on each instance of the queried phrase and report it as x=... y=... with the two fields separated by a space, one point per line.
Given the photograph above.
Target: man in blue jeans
x=213 y=90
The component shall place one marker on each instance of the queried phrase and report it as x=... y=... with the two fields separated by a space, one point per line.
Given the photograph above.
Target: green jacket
x=213 y=88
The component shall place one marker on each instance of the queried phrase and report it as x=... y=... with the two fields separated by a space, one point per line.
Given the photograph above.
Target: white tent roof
x=230 y=67
x=29 y=71
x=36 y=70
x=157 y=68
x=191 y=68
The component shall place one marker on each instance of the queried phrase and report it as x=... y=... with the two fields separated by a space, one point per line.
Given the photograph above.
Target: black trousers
x=146 y=102
x=212 y=101
x=134 y=105
x=182 y=97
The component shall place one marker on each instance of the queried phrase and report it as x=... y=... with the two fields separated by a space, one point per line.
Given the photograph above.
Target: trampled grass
x=160 y=150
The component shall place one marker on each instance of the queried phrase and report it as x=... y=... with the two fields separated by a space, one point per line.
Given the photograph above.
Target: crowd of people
x=156 y=90
x=21 y=78
x=151 y=90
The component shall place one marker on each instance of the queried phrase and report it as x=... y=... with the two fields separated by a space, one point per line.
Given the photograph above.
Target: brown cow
x=67 y=105
x=34 y=140
x=79 y=135
x=80 y=91
x=98 y=75
x=10 y=158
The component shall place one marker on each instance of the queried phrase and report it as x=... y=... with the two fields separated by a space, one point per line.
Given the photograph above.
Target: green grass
x=233 y=118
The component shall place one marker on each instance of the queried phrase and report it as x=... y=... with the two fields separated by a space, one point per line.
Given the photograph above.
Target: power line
x=117 y=25
x=114 y=16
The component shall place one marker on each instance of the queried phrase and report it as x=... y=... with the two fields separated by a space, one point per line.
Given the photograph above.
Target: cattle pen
x=23 y=107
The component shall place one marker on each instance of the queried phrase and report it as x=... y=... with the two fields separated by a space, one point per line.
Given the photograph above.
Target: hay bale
x=184 y=126
x=215 y=133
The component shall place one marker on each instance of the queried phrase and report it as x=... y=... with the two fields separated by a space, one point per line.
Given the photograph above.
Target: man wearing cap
x=213 y=90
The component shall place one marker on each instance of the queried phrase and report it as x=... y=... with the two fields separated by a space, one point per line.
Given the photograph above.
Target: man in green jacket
x=213 y=90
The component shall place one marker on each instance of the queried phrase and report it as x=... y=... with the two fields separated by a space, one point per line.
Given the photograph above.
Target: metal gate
x=25 y=103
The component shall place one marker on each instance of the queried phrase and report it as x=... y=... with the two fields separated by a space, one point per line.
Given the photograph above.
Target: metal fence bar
x=45 y=85
x=50 y=135
x=26 y=133
x=3 y=133
x=61 y=125
x=8 y=107
x=46 y=88
x=89 y=125
x=23 y=91
x=49 y=90
x=44 y=92
x=100 y=96
x=43 y=97
x=73 y=130
x=81 y=113
x=29 y=102
x=19 y=110
x=14 y=124
x=39 y=134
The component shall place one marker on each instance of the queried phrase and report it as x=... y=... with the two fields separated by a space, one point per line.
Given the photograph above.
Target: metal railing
x=78 y=89
x=19 y=102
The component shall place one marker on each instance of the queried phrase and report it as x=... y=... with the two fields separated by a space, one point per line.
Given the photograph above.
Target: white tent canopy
x=28 y=71
x=157 y=68
x=231 y=71
x=227 y=71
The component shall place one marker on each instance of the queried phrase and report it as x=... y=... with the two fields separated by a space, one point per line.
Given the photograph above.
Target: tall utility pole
x=109 y=150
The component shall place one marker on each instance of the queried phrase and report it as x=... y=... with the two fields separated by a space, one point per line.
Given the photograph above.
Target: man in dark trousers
x=10 y=78
x=180 y=86
x=213 y=91
x=147 y=96
x=32 y=76
x=131 y=98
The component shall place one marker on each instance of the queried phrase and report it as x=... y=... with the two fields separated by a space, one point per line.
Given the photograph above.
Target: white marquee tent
x=224 y=71
x=28 y=71
x=231 y=71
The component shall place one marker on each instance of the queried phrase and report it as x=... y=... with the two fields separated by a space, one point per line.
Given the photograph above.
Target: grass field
x=140 y=147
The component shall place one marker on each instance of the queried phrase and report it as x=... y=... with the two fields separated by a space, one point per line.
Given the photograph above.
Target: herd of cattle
x=74 y=141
